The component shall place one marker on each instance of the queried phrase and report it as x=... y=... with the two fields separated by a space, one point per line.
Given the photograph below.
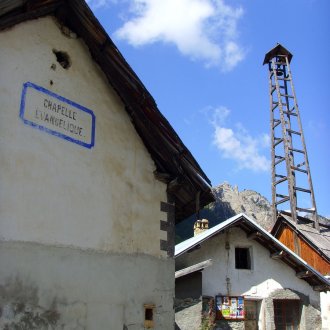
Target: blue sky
x=202 y=62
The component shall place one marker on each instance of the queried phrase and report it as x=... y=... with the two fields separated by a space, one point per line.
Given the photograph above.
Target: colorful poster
x=230 y=308
x=233 y=307
x=240 y=308
x=226 y=301
x=225 y=309
x=218 y=303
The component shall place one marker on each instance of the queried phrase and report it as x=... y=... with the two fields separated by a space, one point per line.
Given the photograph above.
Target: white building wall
x=267 y=280
x=325 y=309
x=54 y=191
x=265 y=276
x=76 y=224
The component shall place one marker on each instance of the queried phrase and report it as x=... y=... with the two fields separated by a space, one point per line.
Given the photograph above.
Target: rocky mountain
x=229 y=202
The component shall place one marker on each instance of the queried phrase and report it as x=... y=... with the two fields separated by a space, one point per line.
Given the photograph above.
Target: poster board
x=229 y=308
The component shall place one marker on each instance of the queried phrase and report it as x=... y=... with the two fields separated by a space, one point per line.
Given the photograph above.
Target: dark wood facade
x=299 y=242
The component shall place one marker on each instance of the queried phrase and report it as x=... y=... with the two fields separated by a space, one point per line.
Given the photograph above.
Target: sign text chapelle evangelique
x=56 y=115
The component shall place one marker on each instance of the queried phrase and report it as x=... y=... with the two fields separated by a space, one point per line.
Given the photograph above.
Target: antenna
x=291 y=178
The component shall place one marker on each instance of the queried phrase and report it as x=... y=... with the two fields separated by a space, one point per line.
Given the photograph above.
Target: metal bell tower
x=291 y=178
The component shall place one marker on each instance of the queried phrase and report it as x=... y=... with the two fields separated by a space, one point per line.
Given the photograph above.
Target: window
x=242 y=258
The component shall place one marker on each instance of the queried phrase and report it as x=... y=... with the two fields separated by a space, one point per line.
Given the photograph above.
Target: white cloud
x=201 y=29
x=218 y=115
x=237 y=144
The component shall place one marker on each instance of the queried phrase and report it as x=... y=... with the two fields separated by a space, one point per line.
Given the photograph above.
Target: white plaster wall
x=266 y=274
x=325 y=309
x=79 y=228
x=57 y=192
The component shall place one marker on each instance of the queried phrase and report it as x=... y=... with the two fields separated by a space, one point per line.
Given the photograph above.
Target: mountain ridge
x=229 y=201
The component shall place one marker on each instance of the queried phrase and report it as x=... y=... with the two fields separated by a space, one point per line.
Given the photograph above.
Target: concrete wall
x=79 y=227
x=266 y=276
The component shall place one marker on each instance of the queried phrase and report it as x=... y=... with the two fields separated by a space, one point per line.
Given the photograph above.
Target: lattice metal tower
x=291 y=178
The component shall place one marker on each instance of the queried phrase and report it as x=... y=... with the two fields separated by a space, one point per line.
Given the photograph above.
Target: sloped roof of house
x=320 y=240
x=175 y=164
x=276 y=248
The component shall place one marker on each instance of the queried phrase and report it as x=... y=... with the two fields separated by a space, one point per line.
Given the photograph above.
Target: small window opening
x=62 y=58
x=149 y=316
x=242 y=258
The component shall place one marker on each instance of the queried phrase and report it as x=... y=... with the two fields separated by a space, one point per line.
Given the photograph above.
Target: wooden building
x=312 y=244
x=307 y=242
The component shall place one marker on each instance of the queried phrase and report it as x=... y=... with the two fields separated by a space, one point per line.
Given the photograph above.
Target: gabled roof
x=175 y=164
x=276 y=248
x=277 y=50
x=319 y=240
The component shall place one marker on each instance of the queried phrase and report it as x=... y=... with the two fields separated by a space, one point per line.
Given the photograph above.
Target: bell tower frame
x=291 y=178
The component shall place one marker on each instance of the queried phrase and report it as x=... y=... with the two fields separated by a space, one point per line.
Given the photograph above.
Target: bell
x=279 y=72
